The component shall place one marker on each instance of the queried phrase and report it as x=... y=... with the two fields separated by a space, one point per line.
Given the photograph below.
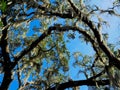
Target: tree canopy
x=34 y=39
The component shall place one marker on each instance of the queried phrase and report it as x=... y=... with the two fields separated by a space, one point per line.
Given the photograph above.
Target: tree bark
x=5 y=53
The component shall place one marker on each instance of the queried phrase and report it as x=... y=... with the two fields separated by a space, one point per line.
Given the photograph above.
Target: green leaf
x=3 y=5
x=1 y=24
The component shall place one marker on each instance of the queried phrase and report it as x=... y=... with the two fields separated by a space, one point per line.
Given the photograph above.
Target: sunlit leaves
x=52 y=53
x=82 y=60
x=77 y=54
x=47 y=64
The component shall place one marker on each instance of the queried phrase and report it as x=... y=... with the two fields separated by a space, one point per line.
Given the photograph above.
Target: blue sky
x=77 y=45
x=112 y=30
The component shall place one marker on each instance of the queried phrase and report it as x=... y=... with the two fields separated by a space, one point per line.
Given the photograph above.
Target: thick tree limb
x=48 y=32
x=32 y=46
x=61 y=29
x=112 y=59
x=89 y=82
x=45 y=34
x=4 y=43
x=5 y=53
x=71 y=84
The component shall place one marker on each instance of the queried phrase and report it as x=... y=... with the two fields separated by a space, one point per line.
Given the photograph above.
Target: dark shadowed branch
x=5 y=53
x=112 y=59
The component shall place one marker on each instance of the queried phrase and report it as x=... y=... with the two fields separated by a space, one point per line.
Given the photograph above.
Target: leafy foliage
x=3 y=6
x=34 y=40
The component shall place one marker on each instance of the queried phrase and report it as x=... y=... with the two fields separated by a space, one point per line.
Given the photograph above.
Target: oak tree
x=34 y=39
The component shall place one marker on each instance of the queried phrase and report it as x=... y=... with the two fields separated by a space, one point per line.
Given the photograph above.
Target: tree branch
x=112 y=59
x=44 y=35
x=5 y=53
x=89 y=82
x=4 y=43
x=71 y=84
x=50 y=13
x=32 y=46
x=62 y=29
